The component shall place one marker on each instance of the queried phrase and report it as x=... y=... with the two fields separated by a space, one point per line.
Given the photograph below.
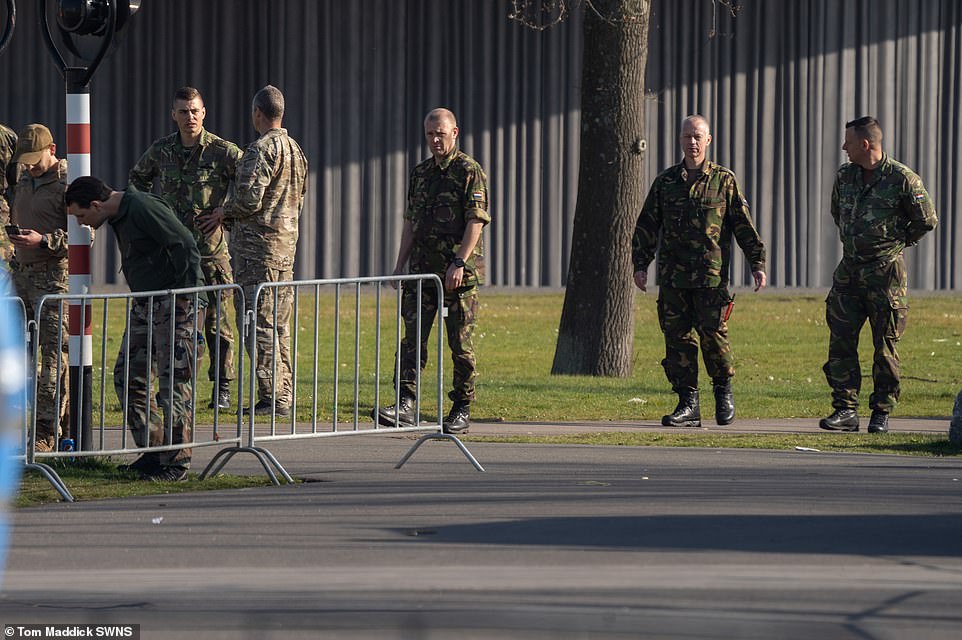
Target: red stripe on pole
x=78 y=257
x=73 y=323
x=78 y=138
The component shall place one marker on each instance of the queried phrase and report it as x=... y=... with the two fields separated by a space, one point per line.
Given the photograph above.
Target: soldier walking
x=690 y=215
x=880 y=207
x=446 y=212
x=157 y=252
x=196 y=169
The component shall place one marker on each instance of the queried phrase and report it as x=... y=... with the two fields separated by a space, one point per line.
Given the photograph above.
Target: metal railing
x=364 y=322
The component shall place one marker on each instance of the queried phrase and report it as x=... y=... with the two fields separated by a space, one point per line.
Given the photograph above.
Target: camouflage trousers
x=137 y=366
x=217 y=330
x=6 y=247
x=459 y=325
x=33 y=282
x=688 y=317
x=272 y=332
x=846 y=310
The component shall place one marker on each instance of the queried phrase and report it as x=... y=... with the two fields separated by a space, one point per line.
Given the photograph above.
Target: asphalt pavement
x=550 y=541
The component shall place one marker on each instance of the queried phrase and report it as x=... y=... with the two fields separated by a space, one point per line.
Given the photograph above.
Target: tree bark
x=597 y=321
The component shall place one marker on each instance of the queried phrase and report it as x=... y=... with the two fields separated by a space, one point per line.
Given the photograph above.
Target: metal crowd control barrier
x=26 y=401
x=290 y=427
x=113 y=440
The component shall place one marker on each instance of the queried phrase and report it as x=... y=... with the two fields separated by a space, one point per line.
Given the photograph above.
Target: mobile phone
x=13 y=230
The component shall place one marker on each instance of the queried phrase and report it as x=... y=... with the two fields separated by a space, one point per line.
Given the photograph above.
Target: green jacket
x=157 y=251
x=692 y=228
x=193 y=181
x=442 y=199
x=876 y=221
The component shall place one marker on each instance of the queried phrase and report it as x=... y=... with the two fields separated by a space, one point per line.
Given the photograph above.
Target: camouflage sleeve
x=919 y=210
x=476 y=196
x=57 y=242
x=744 y=229
x=410 y=213
x=142 y=174
x=645 y=240
x=835 y=201
x=254 y=175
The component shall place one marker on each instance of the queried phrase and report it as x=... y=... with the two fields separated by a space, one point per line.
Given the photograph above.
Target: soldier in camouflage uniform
x=196 y=170
x=880 y=207
x=690 y=215
x=40 y=268
x=8 y=178
x=447 y=210
x=157 y=252
x=262 y=217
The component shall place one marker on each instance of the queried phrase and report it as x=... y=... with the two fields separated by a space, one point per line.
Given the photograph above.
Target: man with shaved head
x=447 y=209
x=692 y=211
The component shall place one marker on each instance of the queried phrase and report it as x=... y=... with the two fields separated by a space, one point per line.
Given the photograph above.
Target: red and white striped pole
x=78 y=261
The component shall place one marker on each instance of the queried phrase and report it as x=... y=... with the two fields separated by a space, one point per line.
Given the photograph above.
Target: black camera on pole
x=88 y=26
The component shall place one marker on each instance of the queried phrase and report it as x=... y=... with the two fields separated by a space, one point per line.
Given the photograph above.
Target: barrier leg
x=440 y=436
x=265 y=457
x=52 y=478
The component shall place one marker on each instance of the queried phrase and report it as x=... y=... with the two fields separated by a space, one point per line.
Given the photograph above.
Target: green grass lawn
x=779 y=340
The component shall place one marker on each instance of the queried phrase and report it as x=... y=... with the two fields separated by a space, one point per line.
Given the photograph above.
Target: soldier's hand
x=760 y=279
x=641 y=280
x=27 y=238
x=209 y=222
x=453 y=277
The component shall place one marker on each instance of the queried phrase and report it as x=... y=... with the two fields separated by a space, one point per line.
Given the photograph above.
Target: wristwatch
x=458 y=262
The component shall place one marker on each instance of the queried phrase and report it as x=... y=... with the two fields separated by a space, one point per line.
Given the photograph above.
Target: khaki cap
x=33 y=141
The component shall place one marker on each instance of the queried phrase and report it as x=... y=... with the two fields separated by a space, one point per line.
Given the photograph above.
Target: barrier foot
x=52 y=478
x=440 y=436
x=263 y=456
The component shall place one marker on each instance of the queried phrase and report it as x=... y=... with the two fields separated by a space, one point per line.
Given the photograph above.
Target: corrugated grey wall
x=778 y=82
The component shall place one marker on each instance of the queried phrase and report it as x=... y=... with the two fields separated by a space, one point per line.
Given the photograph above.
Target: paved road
x=550 y=542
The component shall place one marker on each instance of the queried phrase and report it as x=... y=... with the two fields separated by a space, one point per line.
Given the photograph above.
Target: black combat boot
x=840 y=420
x=402 y=415
x=724 y=401
x=879 y=422
x=687 y=413
x=220 y=396
x=459 y=418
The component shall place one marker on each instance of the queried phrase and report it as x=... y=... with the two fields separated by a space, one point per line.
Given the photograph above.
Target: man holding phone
x=38 y=231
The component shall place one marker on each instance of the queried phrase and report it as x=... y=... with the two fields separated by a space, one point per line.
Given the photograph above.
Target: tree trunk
x=597 y=322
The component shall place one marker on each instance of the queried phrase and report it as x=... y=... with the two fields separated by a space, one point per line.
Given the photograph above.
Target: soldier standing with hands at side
x=447 y=210
x=880 y=207
x=691 y=213
x=196 y=169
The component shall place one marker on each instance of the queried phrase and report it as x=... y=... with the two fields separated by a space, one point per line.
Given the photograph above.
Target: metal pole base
x=440 y=436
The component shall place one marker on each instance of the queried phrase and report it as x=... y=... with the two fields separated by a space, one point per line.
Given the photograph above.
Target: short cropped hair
x=187 y=93
x=441 y=114
x=85 y=190
x=867 y=128
x=270 y=101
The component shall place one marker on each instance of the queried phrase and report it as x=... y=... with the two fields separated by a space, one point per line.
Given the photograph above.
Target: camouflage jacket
x=876 y=221
x=157 y=251
x=38 y=205
x=8 y=168
x=695 y=225
x=442 y=199
x=193 y=182
x=263 y=213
